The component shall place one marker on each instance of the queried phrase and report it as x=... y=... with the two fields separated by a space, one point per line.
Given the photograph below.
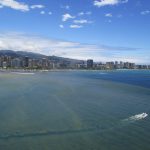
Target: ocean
x=75 y=110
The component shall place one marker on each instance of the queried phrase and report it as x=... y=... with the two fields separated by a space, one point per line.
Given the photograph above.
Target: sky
x=103 y=30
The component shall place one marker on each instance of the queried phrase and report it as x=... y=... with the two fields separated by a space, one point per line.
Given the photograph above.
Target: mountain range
x=32 y=55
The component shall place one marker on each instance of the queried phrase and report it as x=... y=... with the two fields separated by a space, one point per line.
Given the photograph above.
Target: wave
x=23 y=73
x=102 y=73
x=72 y=131
x=137 y=117
x=44 y=133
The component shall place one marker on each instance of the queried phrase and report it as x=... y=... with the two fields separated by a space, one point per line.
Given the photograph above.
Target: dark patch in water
x=47 y=133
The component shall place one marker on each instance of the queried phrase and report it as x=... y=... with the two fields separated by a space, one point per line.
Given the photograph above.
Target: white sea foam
x=103 y=73
x=137 y=117
x=23 y=73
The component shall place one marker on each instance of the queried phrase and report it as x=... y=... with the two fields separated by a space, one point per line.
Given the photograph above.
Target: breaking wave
x=137 y=117
x=102 y=73
x=23 y=73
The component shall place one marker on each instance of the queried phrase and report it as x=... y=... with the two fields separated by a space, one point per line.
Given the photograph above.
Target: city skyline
x=32 y=61
x=101 y=30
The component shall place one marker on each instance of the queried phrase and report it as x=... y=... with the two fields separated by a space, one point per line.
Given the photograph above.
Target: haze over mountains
x=21 y=54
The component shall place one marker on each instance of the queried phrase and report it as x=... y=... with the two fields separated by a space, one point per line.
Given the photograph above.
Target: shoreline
x=61 y=70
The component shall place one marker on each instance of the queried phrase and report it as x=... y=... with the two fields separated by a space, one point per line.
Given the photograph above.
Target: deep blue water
x=133 y=77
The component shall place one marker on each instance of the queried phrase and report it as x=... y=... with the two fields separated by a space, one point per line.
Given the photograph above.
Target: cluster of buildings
x=111 y=65
x=9 y=62
x=26 y=62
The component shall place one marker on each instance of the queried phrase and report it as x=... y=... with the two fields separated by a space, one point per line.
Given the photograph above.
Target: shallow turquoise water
x=75 y=110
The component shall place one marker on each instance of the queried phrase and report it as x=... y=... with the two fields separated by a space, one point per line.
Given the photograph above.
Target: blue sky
x=104 y=30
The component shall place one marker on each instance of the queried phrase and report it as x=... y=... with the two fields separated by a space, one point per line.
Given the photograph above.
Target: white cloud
x=75 y=26
x=101 y=3
x=82 y=21
x=30 y=43
x=88 y=13
x=145 y=12
x=108 y=15
x=50 y=13
x=37 y=6
x=119 y=16
x=61 y=26
x=81 y=13
x=42 y=12
x=124 y=1
x=66 y=17
x=15 y=5
x=84 y=13
x=67 y=7
x=105 y=2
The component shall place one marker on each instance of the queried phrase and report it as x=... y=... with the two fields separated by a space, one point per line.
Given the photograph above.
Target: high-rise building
x=16 y=63
x=44 y=63
x=110 y=65
x=116 y=65
x=4 y=64
x=126 y=65
x=26 y=61
x=121 y=65
x=89 y=63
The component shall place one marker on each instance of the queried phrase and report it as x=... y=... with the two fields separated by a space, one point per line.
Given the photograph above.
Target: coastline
x=61 y=70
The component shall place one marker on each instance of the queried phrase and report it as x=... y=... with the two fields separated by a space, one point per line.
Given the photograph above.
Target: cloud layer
x=146 y=12
x=23 y=42
x=101 y=3
x=37 y=6
x=14 y=5
x=19 y=5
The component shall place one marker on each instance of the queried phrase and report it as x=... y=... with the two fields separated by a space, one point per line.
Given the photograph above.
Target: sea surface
x=75 y=110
